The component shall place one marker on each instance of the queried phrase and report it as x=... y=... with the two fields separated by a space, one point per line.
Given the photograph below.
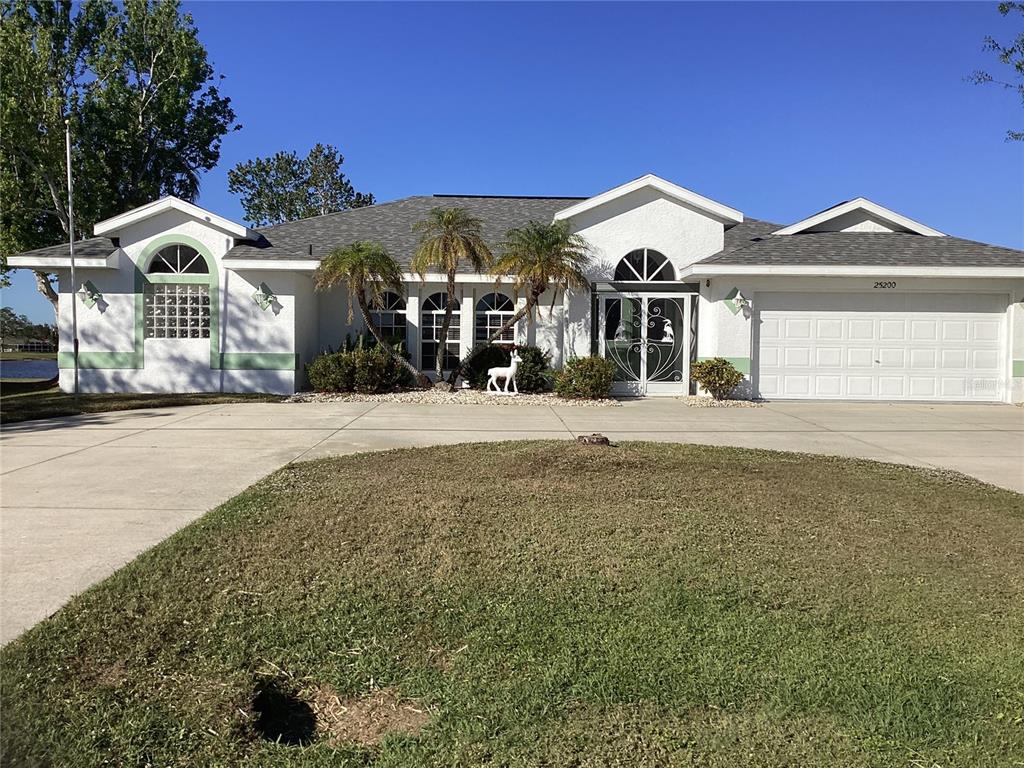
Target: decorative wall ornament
x=264 y=297
x=508 y=373
x=90 y=294
x=736 y=302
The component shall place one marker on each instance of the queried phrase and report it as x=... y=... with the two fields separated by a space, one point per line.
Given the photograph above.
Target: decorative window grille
x=644 y=265
x=432 y=318
x=492 y=312
x=176 y=311
x=388 y=313
x=178 y=260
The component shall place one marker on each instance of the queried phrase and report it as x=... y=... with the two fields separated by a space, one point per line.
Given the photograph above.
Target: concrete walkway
x=83 y=495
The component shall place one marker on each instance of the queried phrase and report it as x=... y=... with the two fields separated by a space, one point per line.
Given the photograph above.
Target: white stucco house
x=854 y=302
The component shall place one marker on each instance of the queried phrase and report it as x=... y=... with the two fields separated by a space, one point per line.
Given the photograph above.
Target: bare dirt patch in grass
x=365 y=720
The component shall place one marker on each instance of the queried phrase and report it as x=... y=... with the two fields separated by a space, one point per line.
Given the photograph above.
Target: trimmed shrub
x=534 y=374
x=585 y=378
x=717 y=375
x=332 y=372
x=366 y=370
x=491 y=356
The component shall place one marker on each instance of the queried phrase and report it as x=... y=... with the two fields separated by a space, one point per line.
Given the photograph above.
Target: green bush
x=585 y=378
x=361 y=369
x=491 y=356
x=533 y=375
x=717 y=375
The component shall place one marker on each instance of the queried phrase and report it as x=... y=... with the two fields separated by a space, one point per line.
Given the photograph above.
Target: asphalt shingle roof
x=391 y=224
x=867 y=249
x=93 y=247
x=749 y=243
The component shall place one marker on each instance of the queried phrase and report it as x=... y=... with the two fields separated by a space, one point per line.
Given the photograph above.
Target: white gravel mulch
x=442 y=397
x=700 y=401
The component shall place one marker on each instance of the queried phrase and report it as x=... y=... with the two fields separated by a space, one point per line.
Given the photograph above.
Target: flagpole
x=71 y=251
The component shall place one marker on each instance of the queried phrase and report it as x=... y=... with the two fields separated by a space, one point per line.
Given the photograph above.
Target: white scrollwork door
x=647 y=337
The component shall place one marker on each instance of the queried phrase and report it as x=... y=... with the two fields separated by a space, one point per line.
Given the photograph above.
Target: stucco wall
x=247 y=349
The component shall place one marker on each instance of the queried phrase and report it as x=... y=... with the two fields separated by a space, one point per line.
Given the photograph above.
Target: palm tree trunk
x=442 y=340
x=417 y=375
x=531 y=302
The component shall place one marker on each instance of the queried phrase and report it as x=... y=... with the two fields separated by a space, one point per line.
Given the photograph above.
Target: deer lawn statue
x=507 y=373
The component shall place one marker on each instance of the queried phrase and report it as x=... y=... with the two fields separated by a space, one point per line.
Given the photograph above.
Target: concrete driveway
x=83 y=495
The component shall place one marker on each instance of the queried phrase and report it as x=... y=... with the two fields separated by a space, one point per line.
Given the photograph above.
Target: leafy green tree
x=146 y=114
x=367 y=270
x=1010 y=54
x=537 y=257
x=449 y=237
x=285 y=187
x=13 y=325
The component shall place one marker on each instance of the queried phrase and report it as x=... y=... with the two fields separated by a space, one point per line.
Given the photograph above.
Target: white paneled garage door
x=884 y=346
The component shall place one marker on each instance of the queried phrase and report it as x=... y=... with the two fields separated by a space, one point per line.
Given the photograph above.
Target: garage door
x=885 y=346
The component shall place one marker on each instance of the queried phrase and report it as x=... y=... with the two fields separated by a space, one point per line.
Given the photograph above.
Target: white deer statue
x=508 y=373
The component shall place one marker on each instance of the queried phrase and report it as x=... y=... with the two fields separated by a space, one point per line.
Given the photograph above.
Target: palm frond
x=365 y=267
x=448 y=238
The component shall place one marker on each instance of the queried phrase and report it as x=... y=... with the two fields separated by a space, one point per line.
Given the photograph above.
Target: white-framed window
x=644 y=265
x=493 y=311
x=178 y=259
x=431 y=320
x=176 y=311
x=388 y=312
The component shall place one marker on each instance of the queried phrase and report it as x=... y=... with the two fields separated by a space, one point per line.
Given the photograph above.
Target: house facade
x=856 y=302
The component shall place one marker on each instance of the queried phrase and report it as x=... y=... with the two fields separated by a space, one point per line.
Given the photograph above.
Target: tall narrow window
x=432 y=317
x=176 y=310
x=492 y=312
x=644 y=265
x=388 y=313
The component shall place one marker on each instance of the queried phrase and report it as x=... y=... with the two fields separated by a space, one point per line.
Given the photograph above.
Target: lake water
x=28 y=369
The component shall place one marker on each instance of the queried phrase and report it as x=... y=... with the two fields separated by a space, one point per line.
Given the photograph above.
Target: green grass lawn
x=28 y=355
x=549 y=604
x=25 y=400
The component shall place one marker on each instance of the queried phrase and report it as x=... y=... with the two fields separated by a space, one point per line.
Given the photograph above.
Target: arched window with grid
x=174 y=309
x=388 y=313
x=431 y=319
x=644 y=265
x=493 y=311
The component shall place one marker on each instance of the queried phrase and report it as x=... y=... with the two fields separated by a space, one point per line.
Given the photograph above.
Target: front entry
x=648 y=337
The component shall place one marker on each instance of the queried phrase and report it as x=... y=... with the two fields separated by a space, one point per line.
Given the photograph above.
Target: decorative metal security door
x=648 y=338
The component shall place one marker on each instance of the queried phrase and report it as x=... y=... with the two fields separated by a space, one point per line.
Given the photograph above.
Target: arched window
x=492 y=312
x=644 y=265
x=388 y=313
x=178 y=260
x=176 y=310
x=432 y=317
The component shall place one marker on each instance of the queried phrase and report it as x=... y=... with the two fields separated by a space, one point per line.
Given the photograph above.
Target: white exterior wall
x=645 y=218
x=724 y=334
x=114 y=355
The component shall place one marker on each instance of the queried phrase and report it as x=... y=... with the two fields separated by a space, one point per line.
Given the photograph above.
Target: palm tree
x=367 y=270
x=449 y=237
x=536 y=257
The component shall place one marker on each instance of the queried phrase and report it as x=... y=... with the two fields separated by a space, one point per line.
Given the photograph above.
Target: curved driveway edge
x=80 y=496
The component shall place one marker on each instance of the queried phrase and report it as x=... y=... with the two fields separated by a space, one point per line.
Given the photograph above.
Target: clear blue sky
x=776 y=109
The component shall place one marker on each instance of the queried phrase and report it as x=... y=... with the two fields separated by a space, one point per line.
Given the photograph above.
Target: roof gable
x=859 y=215
x=170 y=203
x=715 y=210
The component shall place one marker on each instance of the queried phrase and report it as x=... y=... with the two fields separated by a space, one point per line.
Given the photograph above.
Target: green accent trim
x=189 y=279
x=99 y=360
x=1018 y=369
x=741 y=364
x=259 y=361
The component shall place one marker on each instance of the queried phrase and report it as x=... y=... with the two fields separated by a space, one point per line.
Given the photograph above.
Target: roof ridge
x=336 y=213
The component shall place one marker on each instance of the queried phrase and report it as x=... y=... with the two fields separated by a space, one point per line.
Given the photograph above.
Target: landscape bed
x=547 y=603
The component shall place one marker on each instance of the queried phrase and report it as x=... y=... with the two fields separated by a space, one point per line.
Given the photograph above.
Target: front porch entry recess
x=650 y=338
